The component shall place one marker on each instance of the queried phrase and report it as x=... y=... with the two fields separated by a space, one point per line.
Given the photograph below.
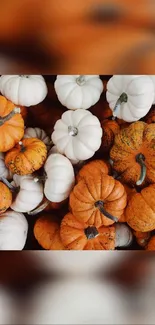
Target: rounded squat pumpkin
x=151 y=244
x=5 y=198
x=150 y=117
x=47 y=233
x=96 y=167
x=76 y=235
x=109 y=128
x=142 y=238
x=26 y=157
x=133 y=153
x=140 y=211
x=98 y=200
x=11 y=125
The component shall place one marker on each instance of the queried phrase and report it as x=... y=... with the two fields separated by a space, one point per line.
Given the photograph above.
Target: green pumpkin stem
x=122 y=99
x=100 y=206
x=6 y=118
x=39 y=209
x=91 y=232
x=80 y=80
x=140 y=159
x=9 y=185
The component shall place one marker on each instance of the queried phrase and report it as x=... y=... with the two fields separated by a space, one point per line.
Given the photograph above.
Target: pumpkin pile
x=77 y=162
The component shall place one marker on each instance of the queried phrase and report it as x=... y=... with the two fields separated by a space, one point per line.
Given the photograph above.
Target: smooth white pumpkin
x=30 y=193
x=37 y=133
x=60 y=178
x=123 y=236
x=78 y=91
x=13 y=231
x=4 y=171
x=77 y=134
x=153 y=79
x=130 y=96
x=55 y=150
x=24 y=90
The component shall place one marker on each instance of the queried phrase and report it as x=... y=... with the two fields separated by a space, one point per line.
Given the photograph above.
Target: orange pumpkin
x=47 y=233
x=26 y=157
x=140 y=211
x=11 y=125
x=151 y=244
x=110 y=128
x=150 y=117
x=142 y=238
x=130 y=191
x=98 y=200
x=133 y=153
x=95 y=167
x=76 y=235
x=5 y=198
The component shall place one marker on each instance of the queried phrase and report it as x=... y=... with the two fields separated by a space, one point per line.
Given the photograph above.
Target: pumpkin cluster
x=77 y=162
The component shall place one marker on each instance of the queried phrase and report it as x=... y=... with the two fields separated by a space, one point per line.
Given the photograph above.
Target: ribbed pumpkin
x=76 y=235
x=26 y=157
x=151 y=244
x=140 y=211
x=110 y=128
x=98 y=200
x=133 y=153
x=47 y=233
x=150 y=117
x=11 y=125
x=96 y=167
x=142 y=238
x=5 y=198
x=130 y=191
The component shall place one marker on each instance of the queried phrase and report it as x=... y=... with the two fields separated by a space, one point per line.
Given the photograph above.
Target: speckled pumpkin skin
x=139 y=137
x=140 y=211
x=92 y=189
x=11 y=131
x=5 y=198
x=74 y=238
x=32 y=159
x=94 y=167
x=110 y=129
x=151 y=244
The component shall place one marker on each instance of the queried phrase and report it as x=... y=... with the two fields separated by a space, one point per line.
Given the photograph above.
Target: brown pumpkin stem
x=111 y=162
x=10 y=186
x=91 y=232
x=122 y=99
x=6 y=118
x=22 y=148
x=80 y=80
x=40 y=178
x=39 y=209
x=100 y=206
x=140 y=158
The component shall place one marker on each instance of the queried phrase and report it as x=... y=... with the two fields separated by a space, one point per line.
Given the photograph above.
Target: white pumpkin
x=4 y=171
x=55 y=150
x=78 y=91
x=124 y=236
x=60 y=178
x=30 y=193
x=130 y=96
x=153 y=79
x=24 y=90
x=77 y=134
x=37 y=133
x=13 y=231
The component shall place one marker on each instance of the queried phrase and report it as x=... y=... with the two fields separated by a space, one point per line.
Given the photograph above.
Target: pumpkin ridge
x=80 y=199
x=147 y=202
x=74 y=241
x=86 y=182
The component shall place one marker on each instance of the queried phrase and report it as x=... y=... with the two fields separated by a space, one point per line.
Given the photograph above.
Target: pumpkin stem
x=91 y=232
x=140 y=158
x=111 y=162
x=39 y=209
x=40 y=178
x=100 y=206
x=6 y=118
x=22 y=148
x=122 y=99
x=80 y=80
x=72 y=130
x=10 y=186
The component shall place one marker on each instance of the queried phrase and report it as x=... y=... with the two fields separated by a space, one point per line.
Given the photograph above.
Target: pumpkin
x=4 y=171
x=47 y=205
x=39 y=134
x=133 y=153
x=59 y=178
x=13 y=230
x=26 y=157
x=24 y=90
x=142 y=238
x=140 y=211
x=151 y=244
x=11 y=125
x=76 y=235
x=78 y=91
x=5 y=197
x=150 y=117
x=77 y=135
x=109 y=128
x=47 y=233
x=93 y=167
x=55 y=150
x=102 y=109
x=123 y=236
x=130 y=191
x=29 y=193
x=98 y=200
x=130 y=96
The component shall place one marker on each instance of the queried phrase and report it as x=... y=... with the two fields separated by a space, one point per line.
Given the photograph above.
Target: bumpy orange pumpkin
x=76 y=235
x=130 y=191
x=110 y=128
x=142 y=238
x=94 y=167
x=150 y=117
x=5 y=198
x=11 y=125
x=133 y=153
x=140 y=211
x=47 y=233
x=98 y=200
x=151 y=244
x=26 y=157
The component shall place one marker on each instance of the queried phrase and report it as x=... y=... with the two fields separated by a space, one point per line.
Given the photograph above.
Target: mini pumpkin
x=11 y=125
x=13 y=230
x=109 y=128
x=5 y=197
x=78 y=91
x=151 y=244
x=4 y=171
x=130 y=96
x=140 y=211
x=133 y=153
x=150 y=117
x=47 y=233
x=98 y=200
x=123 y=235
x=24 y=90
x=77 y=135
x=142 y=238
x=26 y=157
x=76 y=235
x=39 y=134
x=94 y=167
